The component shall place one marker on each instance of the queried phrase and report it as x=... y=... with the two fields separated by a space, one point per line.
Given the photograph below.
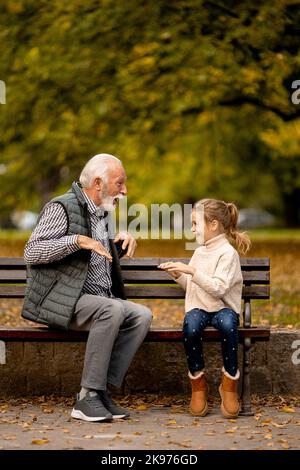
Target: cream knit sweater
x=218 y=281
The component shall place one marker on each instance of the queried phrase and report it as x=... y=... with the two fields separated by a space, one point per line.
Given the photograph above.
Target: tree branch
x=241 y=100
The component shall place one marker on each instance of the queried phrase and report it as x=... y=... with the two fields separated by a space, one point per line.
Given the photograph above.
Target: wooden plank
x=176 y=292
x=12 y=263
x=40 y=334
x=136 y=277
x=12 y=276
x=161 y=277
x=146 y=263
x=12 y=292
x=148 y=292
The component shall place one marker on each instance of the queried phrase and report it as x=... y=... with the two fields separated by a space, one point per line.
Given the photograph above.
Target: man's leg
x=137 y=320
x=102 y=317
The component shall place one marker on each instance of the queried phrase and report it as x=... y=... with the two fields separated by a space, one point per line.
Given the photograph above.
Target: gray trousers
x=116 y=330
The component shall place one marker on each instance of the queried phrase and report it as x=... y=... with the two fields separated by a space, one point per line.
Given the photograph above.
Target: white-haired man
x=74 y=282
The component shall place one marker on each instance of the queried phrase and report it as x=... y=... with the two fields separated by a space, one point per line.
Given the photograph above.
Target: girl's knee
x=192 y=327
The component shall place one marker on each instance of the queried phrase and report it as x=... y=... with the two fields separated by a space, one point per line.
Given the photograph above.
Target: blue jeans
x=226 y=321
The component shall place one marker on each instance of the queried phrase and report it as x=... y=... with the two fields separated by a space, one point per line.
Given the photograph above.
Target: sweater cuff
x=181 y=280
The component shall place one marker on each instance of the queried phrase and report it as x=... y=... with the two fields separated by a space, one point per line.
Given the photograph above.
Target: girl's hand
x=176 y=269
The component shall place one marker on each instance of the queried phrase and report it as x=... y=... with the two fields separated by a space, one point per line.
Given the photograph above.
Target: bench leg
x=246 y=409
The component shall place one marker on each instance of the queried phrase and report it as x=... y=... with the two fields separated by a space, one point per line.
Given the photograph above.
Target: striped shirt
x=49 y=243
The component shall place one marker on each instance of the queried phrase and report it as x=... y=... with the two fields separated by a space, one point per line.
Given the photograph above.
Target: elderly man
x=74 y=282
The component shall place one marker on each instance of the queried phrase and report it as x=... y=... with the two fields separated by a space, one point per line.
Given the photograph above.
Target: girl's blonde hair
x=227 y=215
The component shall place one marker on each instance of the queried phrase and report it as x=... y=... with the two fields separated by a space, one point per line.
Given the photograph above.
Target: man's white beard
x=107 y=203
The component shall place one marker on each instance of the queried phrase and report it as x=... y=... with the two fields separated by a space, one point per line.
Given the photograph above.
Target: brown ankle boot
x=198 y=403
x=228 y=389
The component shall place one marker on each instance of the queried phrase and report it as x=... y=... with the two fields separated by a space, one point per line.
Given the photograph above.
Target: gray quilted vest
x=53 y=289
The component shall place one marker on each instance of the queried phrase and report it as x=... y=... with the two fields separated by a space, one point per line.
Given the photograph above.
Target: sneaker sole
x=77 y=414
x=119 y=416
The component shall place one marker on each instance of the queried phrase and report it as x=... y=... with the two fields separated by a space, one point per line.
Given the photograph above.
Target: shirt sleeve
x=222 y=280
x=48 y=241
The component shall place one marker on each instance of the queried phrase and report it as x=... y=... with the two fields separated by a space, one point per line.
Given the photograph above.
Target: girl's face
x=203 y=230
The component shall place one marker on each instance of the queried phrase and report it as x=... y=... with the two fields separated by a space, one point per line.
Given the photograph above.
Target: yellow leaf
x=230 y=430
x=172 y=421
x=141 y=407
x=287 y=409
x=48 y=410
x=40 y=441
x=266 y=421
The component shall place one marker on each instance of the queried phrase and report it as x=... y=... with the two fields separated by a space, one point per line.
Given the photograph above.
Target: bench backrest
x=144 y=280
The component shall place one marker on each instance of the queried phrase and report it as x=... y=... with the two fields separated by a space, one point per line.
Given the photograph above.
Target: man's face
x=115 y=188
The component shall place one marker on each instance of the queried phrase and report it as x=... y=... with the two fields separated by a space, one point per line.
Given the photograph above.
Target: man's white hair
x=96 y=167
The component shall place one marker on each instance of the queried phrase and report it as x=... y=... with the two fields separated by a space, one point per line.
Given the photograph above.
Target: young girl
x=213 y=284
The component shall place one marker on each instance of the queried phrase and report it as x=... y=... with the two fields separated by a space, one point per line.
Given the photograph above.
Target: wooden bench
x=144 y=281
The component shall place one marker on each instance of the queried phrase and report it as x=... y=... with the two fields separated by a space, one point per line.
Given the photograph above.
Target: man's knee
x=113 y=311
x=144 y=314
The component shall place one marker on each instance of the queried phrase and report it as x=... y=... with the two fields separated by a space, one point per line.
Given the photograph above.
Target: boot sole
x=224 y=411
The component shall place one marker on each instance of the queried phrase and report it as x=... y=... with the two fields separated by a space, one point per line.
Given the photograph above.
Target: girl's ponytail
x=241 y=239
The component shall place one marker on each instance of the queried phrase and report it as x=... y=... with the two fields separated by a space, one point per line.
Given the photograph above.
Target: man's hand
x=176 y=269
x=88 y=243
x=129 y=243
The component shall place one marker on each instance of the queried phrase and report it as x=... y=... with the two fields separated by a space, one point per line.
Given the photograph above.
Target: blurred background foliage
x=193 y=96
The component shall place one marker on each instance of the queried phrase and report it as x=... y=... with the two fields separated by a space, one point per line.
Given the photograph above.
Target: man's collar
x=92 y=208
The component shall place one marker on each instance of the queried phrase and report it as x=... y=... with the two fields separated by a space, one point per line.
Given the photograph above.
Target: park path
x=43 y=424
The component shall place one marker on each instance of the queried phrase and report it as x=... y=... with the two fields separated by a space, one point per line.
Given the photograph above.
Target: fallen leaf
x=287 y=409
x=48 y=410
x=285 y=445
x=40 y=441
x=88 y=436
x=181 y=444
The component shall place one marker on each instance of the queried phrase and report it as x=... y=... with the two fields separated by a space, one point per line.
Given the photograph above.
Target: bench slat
x=148 y=292
x=176 y=292
x=144 y=263
x=40 y=334
x=260 y=264
x=136 y=277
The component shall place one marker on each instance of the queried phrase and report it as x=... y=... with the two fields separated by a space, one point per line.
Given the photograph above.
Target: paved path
x=36 y=425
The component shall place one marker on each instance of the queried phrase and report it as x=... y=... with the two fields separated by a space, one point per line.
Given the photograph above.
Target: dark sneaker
x=90 y=408
x=114 y=409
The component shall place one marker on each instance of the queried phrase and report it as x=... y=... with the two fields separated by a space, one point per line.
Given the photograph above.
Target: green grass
x=275 y=234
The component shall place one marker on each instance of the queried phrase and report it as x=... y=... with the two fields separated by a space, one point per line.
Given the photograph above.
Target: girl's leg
x=227 y=321
x=194 y=323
